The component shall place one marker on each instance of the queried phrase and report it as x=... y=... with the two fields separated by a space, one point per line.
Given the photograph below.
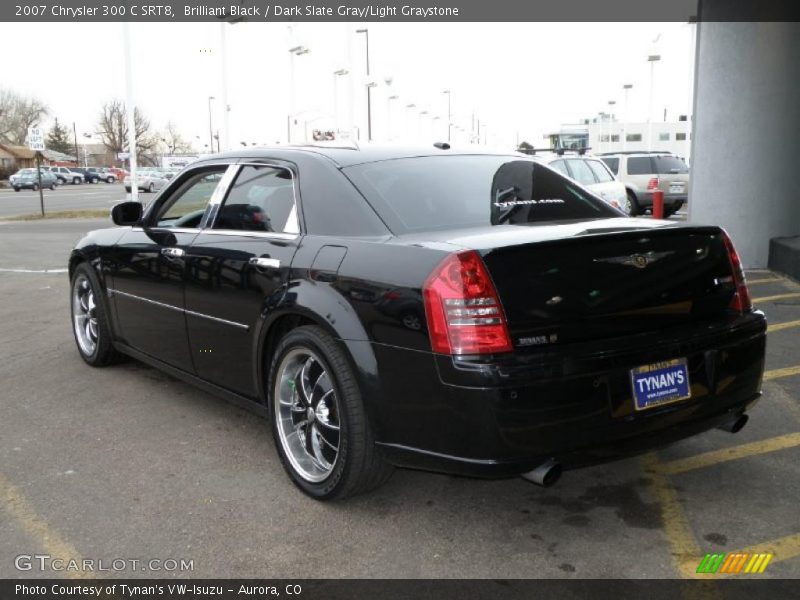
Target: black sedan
x=463 y=312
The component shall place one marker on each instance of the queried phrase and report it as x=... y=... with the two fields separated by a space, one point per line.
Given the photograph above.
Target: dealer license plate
x=660 y=383
x=675 y=188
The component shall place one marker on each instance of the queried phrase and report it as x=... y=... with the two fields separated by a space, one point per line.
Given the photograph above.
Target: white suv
x=63 y=174
x=593 y=174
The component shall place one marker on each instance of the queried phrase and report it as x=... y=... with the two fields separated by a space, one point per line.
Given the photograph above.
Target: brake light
x=652 y=184
x=463 y=311
x=741 y=298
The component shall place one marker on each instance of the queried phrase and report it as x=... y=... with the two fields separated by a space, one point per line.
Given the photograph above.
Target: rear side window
x=581 y=172
x=666 y=165
x=447 y=192
x=261 y=198
x=640 y=165
x=560 y=166
x=613 y=164
x=600 y=171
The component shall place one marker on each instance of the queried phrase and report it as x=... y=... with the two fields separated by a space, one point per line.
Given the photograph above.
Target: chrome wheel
x=84 y=316
x=307 y=414
x=625 y=204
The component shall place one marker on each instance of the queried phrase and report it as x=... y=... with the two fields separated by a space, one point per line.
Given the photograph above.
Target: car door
x=237 y=268
x=148 y=279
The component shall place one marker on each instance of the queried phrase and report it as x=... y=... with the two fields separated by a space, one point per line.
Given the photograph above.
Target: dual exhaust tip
x=549 y=472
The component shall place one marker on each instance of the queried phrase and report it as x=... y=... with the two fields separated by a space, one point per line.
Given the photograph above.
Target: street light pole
x=365 y=31
x=131 y=110
x=652 y=59
x=449 y=114
x=611 y=104
x=210 y=126
x=295 y=51
x=624 y=134
x=336 y=74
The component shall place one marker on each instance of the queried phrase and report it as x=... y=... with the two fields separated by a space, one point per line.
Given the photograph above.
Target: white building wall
x=615 y=136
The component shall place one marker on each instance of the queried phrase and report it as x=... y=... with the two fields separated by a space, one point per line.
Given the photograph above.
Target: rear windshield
x=669 y=164
x=443 y=192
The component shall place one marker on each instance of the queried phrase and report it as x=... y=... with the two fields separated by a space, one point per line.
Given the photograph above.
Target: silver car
x=593 y=174
x=146 y=181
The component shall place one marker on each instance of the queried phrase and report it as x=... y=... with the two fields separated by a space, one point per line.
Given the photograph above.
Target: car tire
x=95 y=179
x=16 y=189
x=76 y=180
x=150 y=188
x=52 y=186
x=35 y=187
x=314 y=401
x=110 y=180
x=90 y=325
x=635 y=208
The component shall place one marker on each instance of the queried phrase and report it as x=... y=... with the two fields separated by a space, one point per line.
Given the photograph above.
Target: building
x=13 y=158
x=606 y=134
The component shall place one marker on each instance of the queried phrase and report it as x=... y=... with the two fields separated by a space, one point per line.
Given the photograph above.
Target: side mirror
x=126 y=213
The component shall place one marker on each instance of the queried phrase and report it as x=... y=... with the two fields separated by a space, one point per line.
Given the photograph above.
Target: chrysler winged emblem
x=640 y=261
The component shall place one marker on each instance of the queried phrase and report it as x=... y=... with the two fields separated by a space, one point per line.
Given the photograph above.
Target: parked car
x=119 y=174
x=28 y=179
x=146 y=181
x=88 y=176
x=593 y=174
x=644 y=172
x=551 y=331
x=65 y=174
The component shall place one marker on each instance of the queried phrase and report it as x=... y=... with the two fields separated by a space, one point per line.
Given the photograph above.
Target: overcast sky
x=518 y=78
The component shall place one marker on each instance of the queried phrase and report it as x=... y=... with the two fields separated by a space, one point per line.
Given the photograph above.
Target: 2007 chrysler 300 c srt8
x=465 y=312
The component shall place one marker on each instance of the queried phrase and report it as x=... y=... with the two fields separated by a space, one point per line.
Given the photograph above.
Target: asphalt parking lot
x=126 y=462
x=84 y=196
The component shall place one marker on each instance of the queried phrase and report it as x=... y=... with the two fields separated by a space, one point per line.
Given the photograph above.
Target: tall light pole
x=336 y=74
x=389 y=115
x=131 y=110
x=652 y=59
x=294 y=51
x=365 y=31
x=409 y=108
x=626 y=87
x=449 y=113
x=210 y=125
x=611 y=104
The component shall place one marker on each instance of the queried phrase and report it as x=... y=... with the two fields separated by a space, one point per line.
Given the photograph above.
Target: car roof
x=349 y=154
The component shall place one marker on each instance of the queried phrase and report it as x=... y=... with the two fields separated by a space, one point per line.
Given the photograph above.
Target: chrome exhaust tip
x=734 y=425
x=546 y=474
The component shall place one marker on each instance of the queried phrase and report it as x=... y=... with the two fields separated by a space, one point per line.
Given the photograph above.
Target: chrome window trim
x=112 y=291
x=209 y=226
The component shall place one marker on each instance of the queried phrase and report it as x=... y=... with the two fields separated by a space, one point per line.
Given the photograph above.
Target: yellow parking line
x=781 y=326
x=767 y=280
x=783 y=548
x=778 y=373
x=20 y=510
x=707 y=459
x=776 y=297
x=685 y=551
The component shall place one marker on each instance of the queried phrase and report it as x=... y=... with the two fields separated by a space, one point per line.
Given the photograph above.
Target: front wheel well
x=74 y=261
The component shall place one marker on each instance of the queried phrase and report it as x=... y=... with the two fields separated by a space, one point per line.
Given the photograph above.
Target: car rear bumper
x=507 y=417
x=671 y=201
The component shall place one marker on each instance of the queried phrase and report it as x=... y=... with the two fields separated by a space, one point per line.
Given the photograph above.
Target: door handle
x=265 y=263
x=173 y=252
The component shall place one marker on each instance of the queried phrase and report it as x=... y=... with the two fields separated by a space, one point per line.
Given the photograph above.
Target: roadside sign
x=36 y=138
x=123 y=155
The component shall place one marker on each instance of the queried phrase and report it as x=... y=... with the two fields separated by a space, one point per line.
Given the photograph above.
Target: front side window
x=261 y=198
x=613 y=164
x=581 y=172
x=600 y=171
x=448 y=192
x=185 y=207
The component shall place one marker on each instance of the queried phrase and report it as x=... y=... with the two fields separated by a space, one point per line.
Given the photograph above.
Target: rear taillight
x=741 y=298
x=463 y=310
x=652 y=184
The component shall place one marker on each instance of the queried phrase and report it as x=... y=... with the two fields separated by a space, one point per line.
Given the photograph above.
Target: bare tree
x=17 y=113
x=113 y=126
x=174 y=141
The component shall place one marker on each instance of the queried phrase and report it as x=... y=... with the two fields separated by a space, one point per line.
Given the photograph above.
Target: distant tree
x=174 y=141
x=58 y=139
x=17 y=113
x=113 y=125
